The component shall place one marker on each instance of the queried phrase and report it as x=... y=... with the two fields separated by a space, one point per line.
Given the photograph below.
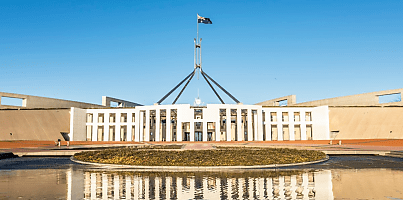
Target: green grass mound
x=218 y=157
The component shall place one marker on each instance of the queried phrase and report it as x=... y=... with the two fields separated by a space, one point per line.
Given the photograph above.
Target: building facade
x=214 y=122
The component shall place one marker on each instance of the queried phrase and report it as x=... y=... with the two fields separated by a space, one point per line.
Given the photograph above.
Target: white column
x=260 y=188
x=217 y=130
x=147 y=130
x=87 y=184
x=206 y=192
x=146 y=188
x=116 y=187
x=192 y=131
x=93 y=185
x=228 y=124
x=267 y=125
x=168 y=181
x=269 y=188
x=95 y=132
x=179 y=130
x=128 y=187
x=106 y=127
x=239 y=124
x=136 y=126
x=192 y=188
x=240 y=187
x=281 y=187
x=303 y=126
x=204 y=130
x=117 y=127
x=305 y=186
x=250 y=128
x=136 y=185
x=157 y=124
x=69 y=181
x=179 y=192
x=255 y=127
x=157 y=187
x=291 y=125
x=141 y=194
x=260 y=125
x=168 y=125
x=129 y=126
x=250 y=188
x=218 y=185
x=104 y=186
x=323 y=185
x=140 y=127
x=293 y=186
x=229 y=189
x=280 y=126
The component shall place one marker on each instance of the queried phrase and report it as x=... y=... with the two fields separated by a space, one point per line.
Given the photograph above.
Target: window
x=273 y=117
x=285 y=116
x=198 y=113
x=112 y=118
x=123 y=117
x=11 y=101
x=296 y=117
x=90 y=117
x=390 y=98
x=308 y=116
x=100 y=118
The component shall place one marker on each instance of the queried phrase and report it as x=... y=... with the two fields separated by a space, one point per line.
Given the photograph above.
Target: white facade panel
x=317 y=118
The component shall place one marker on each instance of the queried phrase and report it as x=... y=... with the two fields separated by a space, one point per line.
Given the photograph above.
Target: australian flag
x=203 y=20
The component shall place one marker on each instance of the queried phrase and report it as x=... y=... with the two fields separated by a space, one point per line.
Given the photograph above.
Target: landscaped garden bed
x=216 y=157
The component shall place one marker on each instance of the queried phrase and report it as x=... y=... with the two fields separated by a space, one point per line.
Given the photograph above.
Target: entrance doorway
x=187 y=136
x=209 y=136
x=198 y=136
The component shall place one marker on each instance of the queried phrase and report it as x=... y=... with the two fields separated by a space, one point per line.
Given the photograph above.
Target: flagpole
x=197 y=40
x=197 y=21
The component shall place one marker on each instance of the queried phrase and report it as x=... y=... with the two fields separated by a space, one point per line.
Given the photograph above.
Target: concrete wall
x=366 y=122
x=366 y=99
x=106 y=101
x=34 y=124
x=291 y=100
x=29 y=101
x=77 y=124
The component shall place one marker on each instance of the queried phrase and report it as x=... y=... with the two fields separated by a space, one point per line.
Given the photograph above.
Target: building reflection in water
x=137 y=185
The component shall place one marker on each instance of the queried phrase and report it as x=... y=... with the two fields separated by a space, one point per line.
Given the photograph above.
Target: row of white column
x=135 y=187
x=144 y=134
x=291 y=123
x=256 y=128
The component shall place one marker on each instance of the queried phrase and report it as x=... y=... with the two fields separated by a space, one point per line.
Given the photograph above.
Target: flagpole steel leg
x=232 y=97
x=213 y=89
x=184 y=87
x=170 y=92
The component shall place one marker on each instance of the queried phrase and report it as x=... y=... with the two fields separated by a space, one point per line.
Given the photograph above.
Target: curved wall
x=34 y=124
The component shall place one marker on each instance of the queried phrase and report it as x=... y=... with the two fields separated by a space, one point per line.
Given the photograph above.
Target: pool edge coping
x=197 y=168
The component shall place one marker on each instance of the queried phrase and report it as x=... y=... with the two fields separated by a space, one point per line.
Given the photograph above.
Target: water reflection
x=83 y=182
x=262 y=185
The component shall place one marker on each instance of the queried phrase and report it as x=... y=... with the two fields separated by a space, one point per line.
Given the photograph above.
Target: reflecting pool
x=38 y=178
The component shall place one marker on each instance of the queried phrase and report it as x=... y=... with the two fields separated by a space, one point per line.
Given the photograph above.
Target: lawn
x=217 y=157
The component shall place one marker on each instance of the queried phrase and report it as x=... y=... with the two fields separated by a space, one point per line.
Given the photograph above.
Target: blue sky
x=258 y=50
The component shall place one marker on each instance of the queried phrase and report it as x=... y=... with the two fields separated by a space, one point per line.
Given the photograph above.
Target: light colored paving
x=198 y=146
x=357 y=147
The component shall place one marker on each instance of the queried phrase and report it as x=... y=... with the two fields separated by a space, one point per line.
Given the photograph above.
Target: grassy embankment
x=217 y=157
